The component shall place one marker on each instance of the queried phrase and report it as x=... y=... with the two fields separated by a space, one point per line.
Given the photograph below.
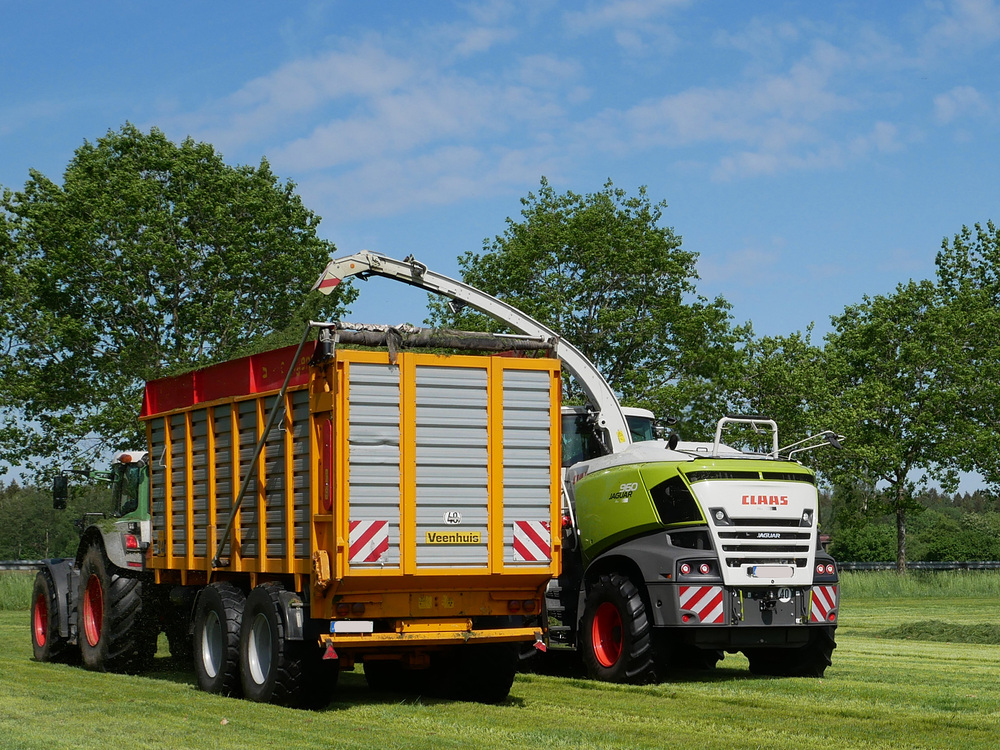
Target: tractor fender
x=643 y=559
x=66 y=576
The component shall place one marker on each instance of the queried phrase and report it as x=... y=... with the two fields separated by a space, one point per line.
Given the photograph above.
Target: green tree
x=600 y=271
x=968 y=269
x=895 y=387
x=149 y=258
x=781 y=377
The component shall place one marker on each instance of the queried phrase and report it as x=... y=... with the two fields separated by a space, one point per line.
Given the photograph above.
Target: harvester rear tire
x=117 y=632
x=272 y=668
x=46 y=642
x=616 y=636
x=810 y=660
x=216 y=640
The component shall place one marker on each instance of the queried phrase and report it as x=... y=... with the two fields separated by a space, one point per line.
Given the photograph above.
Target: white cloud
x=618 y=13
x=965 y=25
x=268 y=104
x=962 y=102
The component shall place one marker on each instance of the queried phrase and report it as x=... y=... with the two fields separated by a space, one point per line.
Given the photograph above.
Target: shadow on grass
x=567 y=664
x=353 y=689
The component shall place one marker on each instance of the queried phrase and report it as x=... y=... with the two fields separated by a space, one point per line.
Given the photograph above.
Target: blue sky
x=811 y=153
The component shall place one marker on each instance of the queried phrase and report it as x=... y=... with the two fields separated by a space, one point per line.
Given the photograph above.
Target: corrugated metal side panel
x=179 y=501
x=225 y=487
x=452 y=464
x=158 y=490
x=249 y=530
x=374 y=457
x=275 y=488
x=301 y=465
x=527 y=454
x=199 y=481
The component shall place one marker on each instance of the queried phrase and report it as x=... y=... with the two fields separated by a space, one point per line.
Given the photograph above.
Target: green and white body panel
x=725 y=546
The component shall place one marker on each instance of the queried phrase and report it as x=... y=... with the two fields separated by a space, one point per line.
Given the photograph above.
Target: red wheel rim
x=40 y=620
x=607 y=634
x=93 y=610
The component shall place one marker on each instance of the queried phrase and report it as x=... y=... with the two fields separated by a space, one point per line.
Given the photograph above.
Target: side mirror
x=60 y=491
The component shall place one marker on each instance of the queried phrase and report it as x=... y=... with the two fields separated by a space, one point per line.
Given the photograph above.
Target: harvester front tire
x=216 y=640
x=616 y=636
x=46 y=642
x=272 y=668
x=116 y=632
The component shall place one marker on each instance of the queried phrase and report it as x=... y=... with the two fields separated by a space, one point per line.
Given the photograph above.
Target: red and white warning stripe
x=369 y=541
x=704 y=601
x=824 y=602
x=532 y=541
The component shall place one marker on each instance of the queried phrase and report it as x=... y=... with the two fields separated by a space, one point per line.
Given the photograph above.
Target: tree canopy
x=149 y=258
x=601 y=271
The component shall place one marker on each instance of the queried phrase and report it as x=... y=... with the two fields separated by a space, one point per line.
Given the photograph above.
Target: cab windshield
x=641 y=428
x=579 y=441
x=125 y=480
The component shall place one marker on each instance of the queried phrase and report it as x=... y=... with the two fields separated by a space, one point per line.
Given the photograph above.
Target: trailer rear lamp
x=685 y=569
x=566 y=522
x=513 y=605
x=528 y=605
x=821 y=569
x=705 y=569
x=131 y=542
x=358 y=608
x=343 y=609
x=830 y=569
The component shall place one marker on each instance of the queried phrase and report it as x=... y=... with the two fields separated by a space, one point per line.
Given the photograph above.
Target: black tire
x=215 y=643
x=116 y=632
x=320 y=677
x=615 y=635
x=179 y=639
x=46 y=642
x=671 y=655
x=273 y=669
x=485 y=672
x=810 y=660
x=385 y=675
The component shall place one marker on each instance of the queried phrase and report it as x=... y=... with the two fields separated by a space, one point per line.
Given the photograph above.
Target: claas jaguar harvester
x=673 y=552
x=301 y=510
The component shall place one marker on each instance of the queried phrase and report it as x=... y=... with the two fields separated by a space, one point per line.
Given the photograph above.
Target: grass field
x=917 y=666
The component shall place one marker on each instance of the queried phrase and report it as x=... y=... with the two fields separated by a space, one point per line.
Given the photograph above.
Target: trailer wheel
x=116 y=632
x=616 y=635
x=486 y=672
x=46 y=641
x=216 y=639
x=272 y=668
x=810 y=660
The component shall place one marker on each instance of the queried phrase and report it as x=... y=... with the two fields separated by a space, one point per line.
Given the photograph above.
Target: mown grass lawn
x=888 y=688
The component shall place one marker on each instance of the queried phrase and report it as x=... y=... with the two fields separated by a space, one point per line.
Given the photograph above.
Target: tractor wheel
x=117 y=634
x=216 y=640
x=272 y=668
x=810 y=660
x=616 y=634
x=46 y=641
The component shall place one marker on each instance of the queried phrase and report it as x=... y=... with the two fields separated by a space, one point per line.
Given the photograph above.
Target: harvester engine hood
x=762 y=522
